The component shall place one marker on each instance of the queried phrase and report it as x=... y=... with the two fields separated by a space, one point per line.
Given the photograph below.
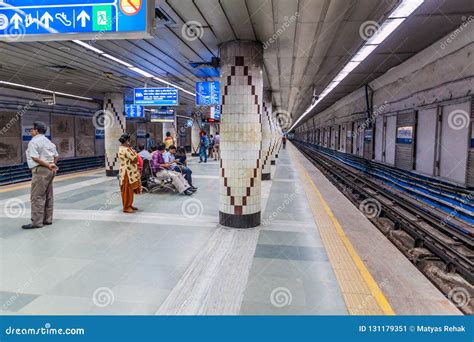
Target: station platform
x=314 y=254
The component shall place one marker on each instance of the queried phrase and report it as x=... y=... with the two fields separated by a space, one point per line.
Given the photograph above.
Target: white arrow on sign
x=16 y=20
x=83 y=17
x=46 y=19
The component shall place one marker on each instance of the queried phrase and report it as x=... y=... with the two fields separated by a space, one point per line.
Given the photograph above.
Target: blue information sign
x=156 y=96
x=208 y=93
x=134 y=111
x=162 y=115
x=216 y=113
x=32 y=20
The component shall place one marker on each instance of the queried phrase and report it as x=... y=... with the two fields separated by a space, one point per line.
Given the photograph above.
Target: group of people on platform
x=166 y=161
x=209 y=147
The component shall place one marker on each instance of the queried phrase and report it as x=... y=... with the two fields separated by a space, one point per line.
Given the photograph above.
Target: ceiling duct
x=163 y=19
x=60 y=68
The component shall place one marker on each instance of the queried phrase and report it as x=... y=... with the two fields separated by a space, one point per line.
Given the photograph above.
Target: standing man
x=149 y=142
x=42 y=157
x=203 y=146
x=283 y=140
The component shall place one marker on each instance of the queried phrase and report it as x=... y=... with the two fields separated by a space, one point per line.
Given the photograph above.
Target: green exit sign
x=102 y=18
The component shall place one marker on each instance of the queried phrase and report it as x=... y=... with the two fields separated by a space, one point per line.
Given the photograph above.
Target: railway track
x=448 y=244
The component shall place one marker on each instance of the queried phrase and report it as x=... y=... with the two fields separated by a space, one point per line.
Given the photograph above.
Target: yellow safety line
x=364 y=272
x=27 y=184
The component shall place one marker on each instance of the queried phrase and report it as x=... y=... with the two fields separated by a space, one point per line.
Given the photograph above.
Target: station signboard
x=156 y=96
x=207 y=93
x=404 y=135
x=162 y=115
x=46 y=20
x=216 y=113
x=134 y=111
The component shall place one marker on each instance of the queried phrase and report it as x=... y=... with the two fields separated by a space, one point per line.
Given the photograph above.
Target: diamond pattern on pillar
x=266 y=136
x=241 y=134
x=115 y=126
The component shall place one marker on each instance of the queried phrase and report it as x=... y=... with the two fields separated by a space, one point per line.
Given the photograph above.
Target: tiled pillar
x=278 y=134
x=274 y=137
x=195 y=138
x=241 y=134
x=266 y=136
x=114 y=127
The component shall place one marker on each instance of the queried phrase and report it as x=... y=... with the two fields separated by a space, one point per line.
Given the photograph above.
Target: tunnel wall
x=421 y=115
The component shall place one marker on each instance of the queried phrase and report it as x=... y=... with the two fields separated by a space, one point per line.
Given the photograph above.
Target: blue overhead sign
x=156 y=96
x=33 y=20
x=208 y=93
x=134 y=111
x=162 y=115
x=216 y=113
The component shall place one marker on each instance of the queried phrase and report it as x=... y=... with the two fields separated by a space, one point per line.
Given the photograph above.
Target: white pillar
x=274 y=136
x=195 y=138
x=241 y=134
x=114 y=127
x=266 y=136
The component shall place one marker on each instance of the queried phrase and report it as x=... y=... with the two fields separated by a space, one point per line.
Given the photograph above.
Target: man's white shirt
x=42 y=148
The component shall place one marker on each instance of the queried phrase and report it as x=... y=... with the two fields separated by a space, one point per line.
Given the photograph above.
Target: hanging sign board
x=49 y=20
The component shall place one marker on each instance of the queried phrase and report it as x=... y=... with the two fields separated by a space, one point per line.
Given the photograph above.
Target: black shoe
x=31 y=226
x=188 y=192
x=193 y=187
x=47 y=223
x=200 y=161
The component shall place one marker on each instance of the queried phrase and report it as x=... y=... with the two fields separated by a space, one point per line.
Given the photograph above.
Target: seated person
x=145 y=154
x=175 y=165
x=161 y=170
x=181 y=156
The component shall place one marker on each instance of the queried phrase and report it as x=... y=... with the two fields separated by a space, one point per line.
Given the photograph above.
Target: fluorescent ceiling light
x=363 y=53
x=141 y=72
x=128 y=65
x=45 y=90
x=406 y=8
x=88 y=46
x=385 y=30
x=403 y=10
x=163 y=81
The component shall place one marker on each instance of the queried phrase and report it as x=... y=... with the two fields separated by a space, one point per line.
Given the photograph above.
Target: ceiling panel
x=307 y=52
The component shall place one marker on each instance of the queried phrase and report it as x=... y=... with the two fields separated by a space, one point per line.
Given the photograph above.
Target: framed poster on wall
x=85 y=137
x=62 y=135
x=10 y=135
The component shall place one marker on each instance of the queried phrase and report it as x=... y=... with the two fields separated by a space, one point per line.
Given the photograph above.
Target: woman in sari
x=129 y=174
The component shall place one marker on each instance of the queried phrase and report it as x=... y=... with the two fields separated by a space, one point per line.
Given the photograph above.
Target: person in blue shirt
x=149 y=142
x=203 y=146
x=175 y=164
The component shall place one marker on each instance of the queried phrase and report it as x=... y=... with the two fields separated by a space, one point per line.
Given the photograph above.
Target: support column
x=114 y=126
x=266 y=136
x=195 y=138
x=241 y=134
x=278 y=132
x=274 y=137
